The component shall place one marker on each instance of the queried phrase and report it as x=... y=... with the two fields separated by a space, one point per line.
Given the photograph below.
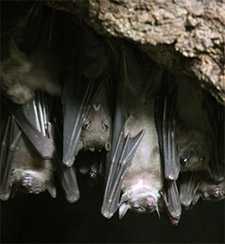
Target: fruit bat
x=193 y=186
x=134 y=177
x=27 y=149
x=193 y=127
x=212 y=191
x=85 y=99
x=31 y=63
x=21 y=74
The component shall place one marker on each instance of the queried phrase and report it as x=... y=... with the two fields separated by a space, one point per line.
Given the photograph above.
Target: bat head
x=96 y=129
x=140 y=199
x=213 y=191
x=193 y=152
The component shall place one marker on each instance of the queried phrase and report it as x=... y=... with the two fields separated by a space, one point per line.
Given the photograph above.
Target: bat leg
x=75 y=99
x=119 y=161
x=189 y=194
x=9 y=143
x=172 y=202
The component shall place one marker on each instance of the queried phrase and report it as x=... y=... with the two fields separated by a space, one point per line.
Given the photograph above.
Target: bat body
x=24 y=164
x=29 y=170
x=142 y=182
x=134 y=177
x=85 y=99
x=193 y=149
x=194 y=140
x=21 y=74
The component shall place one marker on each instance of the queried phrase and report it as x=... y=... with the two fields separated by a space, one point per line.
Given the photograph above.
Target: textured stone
x=185 y=36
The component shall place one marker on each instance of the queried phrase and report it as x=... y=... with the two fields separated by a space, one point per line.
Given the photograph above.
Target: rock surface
x=185 y=36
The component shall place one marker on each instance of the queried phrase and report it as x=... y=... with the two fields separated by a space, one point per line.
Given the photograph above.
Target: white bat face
x=140 y=197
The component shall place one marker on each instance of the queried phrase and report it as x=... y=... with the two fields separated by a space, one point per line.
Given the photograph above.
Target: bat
x=134 y=177
x=86 y=111
x=193 y=149
x=193 y=127
x=23 y=165
x=31 y=63
x=96 y=131
x=212 y=191
x=22 y=75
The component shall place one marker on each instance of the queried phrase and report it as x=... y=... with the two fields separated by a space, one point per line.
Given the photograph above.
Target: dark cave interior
x=30 y=218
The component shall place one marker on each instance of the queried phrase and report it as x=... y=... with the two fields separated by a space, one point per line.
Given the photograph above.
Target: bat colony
x=163 y=136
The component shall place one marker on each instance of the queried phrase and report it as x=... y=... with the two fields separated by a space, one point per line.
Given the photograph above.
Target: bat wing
x=189 y=186
x=75 y=99
x=33 y=126
x=165 y=123
x=118 y=161
x=172 y=202
x=32 y=122
x=69 y=184
x=66 y=175
x=9 y=141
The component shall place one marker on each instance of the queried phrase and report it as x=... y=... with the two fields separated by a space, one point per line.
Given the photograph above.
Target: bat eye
x=105 y=125
x=86 y=124
x=184 y=161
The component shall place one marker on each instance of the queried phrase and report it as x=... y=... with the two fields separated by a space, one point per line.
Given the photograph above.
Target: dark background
x=29 y=218
x=42 y=219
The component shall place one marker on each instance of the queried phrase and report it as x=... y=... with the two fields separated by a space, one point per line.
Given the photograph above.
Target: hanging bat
x=193 y=130
x=27 y=149
x=212 y=191
x=31 y=62
x=193 y=149
x=21 y=74
x=134 y=177
x=193 y=186
x=86 y=111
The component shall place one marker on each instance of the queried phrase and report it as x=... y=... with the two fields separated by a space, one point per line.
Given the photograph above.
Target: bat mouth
x=141 y=198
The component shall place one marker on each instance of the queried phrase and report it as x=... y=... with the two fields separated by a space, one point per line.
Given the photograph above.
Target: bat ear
x=17 y=55
x=107 y=146
x=123 y=210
